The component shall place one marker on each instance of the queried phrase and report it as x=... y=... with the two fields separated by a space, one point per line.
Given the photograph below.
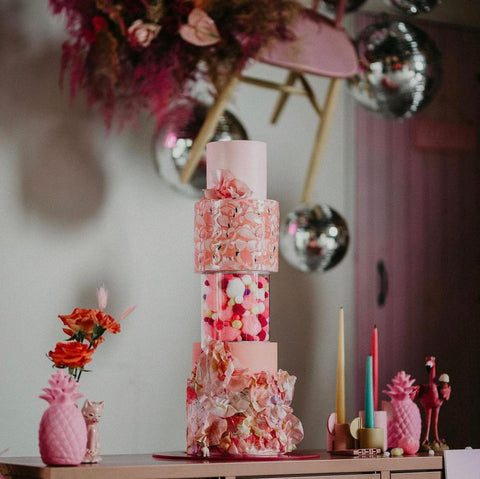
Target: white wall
x=79 y=206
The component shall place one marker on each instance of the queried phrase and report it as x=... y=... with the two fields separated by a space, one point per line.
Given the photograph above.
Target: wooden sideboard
x=144 y=466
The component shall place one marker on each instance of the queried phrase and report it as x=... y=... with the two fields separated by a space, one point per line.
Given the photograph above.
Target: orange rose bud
x=106 y=321
x=79 y=320
x=71 y=355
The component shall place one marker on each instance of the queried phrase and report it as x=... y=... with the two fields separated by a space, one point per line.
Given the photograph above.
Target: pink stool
x=321 y=47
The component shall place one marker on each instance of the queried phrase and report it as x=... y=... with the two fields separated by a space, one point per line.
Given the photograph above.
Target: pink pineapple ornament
x=92 y=412
x=62 y=434
x=404 y=422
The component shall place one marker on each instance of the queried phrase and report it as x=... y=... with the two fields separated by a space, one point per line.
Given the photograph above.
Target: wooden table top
x=145 y=466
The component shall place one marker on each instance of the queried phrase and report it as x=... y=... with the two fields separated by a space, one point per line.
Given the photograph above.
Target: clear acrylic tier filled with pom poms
x=235 y=306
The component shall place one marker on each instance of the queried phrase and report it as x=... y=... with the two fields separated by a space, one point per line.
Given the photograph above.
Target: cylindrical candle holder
x=342 y=438
x=372 y=437
x=235 y=306
x=380 y=422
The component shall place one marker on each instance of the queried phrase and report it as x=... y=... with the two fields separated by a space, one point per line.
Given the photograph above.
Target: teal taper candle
x=369 y=414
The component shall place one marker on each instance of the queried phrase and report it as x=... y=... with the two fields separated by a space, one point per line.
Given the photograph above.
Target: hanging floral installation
x=132 y=55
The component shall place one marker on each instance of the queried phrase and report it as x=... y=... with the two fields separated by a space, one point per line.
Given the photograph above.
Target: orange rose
x=106 y=321
x=86 y=321
x=80 y=320
x=71 y=355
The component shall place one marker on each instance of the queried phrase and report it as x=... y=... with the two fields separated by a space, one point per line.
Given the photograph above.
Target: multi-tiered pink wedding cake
x=238 y=402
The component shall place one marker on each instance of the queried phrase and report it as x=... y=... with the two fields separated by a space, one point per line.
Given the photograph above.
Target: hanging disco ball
x=174 y=140
x=352 y=5
x=399 y=69
x=412 y=7
x=313 y=238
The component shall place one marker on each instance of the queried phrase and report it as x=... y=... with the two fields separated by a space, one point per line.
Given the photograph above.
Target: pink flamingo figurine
x=431 y=397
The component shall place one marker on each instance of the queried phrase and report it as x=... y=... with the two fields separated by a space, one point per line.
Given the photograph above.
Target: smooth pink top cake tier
x=246 y=160
x=236 y=235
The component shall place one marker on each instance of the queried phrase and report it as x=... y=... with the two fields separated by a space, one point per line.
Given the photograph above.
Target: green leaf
x=97 y=332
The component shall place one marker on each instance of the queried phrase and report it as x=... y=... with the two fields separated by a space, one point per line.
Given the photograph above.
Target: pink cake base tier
x=236 y=235
x=254 y=356
x=231 y=410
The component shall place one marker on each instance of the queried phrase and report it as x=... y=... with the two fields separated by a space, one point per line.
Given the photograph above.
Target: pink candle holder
x=338 y=435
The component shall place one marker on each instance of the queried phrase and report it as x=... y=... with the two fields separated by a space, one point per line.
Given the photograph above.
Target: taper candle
x=374 y=353
x=369 y=413
x=340 y=400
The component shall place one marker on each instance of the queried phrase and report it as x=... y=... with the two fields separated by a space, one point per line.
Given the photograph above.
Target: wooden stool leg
x=310 y=95
x=208 y=129
x=282 y=98
x=321 y=138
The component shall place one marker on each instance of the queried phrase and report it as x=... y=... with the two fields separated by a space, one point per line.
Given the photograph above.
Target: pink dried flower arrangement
x=133 y=54
x=85 y=329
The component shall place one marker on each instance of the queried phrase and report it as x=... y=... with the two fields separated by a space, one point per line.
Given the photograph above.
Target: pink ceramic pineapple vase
x=62 y=434
x=403 y=415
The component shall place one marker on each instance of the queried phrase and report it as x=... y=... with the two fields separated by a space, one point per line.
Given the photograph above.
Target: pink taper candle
x=340 y=400
x=374 y=354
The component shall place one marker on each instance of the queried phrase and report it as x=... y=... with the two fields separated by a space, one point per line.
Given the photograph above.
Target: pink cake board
x=230 y=457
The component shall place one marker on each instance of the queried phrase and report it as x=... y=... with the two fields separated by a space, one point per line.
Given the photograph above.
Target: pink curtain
x=418 y=210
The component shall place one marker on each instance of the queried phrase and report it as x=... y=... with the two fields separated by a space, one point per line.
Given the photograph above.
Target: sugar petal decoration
x=232 y=411
x=200 y=30
x=228 y=187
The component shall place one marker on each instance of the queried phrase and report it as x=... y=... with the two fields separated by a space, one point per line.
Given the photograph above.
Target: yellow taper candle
x=340 y=404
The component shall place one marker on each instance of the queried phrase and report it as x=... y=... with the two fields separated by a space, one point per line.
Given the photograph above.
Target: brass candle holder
x=371 y=438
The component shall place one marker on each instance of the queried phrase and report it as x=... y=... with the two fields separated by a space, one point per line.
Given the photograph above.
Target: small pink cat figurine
x=92 y=412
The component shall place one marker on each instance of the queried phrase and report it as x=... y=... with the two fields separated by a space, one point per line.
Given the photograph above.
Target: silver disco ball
x=313 y=238
x=351 y=6
x=412 y=7
x=174 y=140
x=399 y=69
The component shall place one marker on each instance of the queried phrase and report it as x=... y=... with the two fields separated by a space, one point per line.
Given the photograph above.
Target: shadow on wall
x=297 y=337
x=59 y=168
